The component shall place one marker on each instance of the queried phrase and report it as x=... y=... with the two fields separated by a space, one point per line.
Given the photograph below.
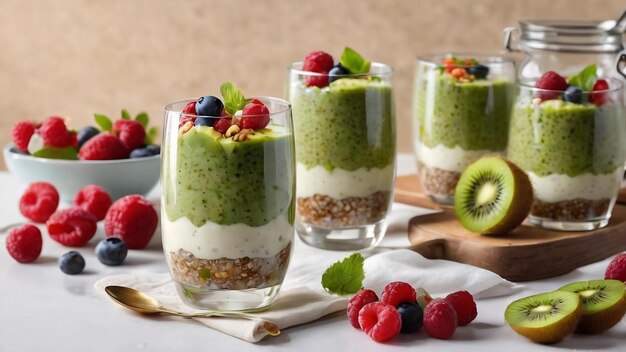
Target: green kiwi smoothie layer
x=226 y=182
x=347 y=125
x=566 y=138
x=472 y=115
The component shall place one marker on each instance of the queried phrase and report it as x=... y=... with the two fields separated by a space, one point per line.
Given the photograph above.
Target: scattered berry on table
x=133 y=219
x=223 y=124
x=464 y=306
x=599 y=98
x=85 y=134
x=21 y=133
x=336 y=72
x=397 y=292
x=357 y=302
x=72 y=227
x=190 y=108
x=94 y=199
x=412 y=316
x=573 y=94
x=55 y=134
x=318 y=62
x=440 y=319
x=551 y=81
x=72 y=263
x=255 y=116
x=617 y=268
x=111 y=251
x=24 y=243
x=479 y=71
x=381 y=321
x=39 y=201
x=130 y=132
x=209 y=106
x=104 y=146
x=423 y=297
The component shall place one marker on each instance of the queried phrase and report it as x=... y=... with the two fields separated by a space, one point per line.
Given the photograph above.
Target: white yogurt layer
x=340 y=183
x=449 y=159
x=558 y=187
x=213 y=241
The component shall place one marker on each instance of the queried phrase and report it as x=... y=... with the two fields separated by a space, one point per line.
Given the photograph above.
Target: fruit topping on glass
x=350 y=63
x=464 y=70
x=584 y=87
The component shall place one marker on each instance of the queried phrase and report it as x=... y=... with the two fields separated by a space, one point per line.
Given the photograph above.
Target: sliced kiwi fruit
x=603 y=301
x=493 y=196
x=545 y=318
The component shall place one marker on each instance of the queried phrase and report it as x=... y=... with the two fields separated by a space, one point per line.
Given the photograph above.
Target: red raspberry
x=551 y=81
x=72 y=227
x=255 y=116
x=24 y=243
x=190 y=108
x=104 y=146
x=132 y=219
x=54 y=133
x=617 y=268
x=93 y=199
x=130 y=132
x=39 y=201
x=318 y=62
x=599 y=98
x=357 y=302
x=464 y=306
x=222 y=124
x=21 y=133
x=186 y=119
x=440 y=319
x=397 y=292
x=381 y=321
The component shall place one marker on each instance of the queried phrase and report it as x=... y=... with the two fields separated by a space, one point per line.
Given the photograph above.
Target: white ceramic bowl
x=118 y=177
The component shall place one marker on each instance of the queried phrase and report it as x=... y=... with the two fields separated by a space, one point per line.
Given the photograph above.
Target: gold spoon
x=143 y=303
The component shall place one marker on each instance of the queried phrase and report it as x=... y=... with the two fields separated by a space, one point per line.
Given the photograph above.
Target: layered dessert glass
x=573 y=153
x=462 y=105
x=228 y=207
x=345 y=152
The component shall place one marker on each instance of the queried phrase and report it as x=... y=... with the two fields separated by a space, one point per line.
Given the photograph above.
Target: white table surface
x=42 y=309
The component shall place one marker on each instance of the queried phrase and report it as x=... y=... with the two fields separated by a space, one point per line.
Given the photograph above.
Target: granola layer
x=327 y=212
x=438 y=182
x=571 y=210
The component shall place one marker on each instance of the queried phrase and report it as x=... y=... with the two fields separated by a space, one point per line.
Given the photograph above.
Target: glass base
x=344 y=239
x=443 y=200
x=250 y=300
x=568 y=225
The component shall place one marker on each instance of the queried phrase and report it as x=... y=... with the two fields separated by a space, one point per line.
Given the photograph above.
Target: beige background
x=77 y=57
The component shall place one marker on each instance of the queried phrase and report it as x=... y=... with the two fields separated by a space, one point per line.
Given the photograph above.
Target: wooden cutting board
x=528 y=253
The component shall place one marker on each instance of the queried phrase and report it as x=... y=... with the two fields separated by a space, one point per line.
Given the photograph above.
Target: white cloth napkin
x=302 y=298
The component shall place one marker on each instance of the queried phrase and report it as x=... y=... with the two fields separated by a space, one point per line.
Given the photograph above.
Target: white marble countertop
x=42 y=309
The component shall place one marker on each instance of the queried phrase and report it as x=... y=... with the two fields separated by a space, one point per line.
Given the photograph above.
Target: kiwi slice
x=604 y=304
x=493 y=196
x=546 y=317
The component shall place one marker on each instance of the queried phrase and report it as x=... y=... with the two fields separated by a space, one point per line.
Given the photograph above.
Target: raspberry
x=464 y=306
x=190 y=108
x=93 y=199
x=440 y=319
x=458 y=72
x=617 y=268
x=21 y=133
x=397 y=292
x=381 y=321
x=72 y=227
x=103 y=147
x=130 y=132
x=599 y=98
x=132 y=219
x=39 y=201
x=24 y=243
x=222 y=124
x=255 y=116
x=357 y=302
x=318 y=62
x=55 y=134
x=551 y=81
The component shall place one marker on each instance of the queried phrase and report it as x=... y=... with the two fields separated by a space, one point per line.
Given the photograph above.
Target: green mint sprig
x=345 y=277
x=585 y=79
x=354 y=62
x=234 y=100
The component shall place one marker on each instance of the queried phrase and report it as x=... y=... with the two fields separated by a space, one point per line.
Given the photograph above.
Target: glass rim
x=285 y=103
x=614 y=86
x=385 y=71
x=488 y=60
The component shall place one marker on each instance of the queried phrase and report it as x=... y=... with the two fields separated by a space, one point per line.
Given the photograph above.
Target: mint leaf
x=125 y=115
x=585 y=79
x=234 y=100
x=354 y=62
x=151 y=135
x=68 y=153
x=143 y=119
x=103 y=122
x=345 y=277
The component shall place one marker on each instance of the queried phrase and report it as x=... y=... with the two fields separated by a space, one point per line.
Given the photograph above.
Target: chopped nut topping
x=186 y=127
x=232 y=130
x=243 y=135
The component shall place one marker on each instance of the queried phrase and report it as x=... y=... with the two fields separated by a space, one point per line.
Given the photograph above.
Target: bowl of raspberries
x=118 y=155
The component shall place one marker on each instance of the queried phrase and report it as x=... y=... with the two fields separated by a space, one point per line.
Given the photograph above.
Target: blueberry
x=412 y=317
x=209 y=106
x=573 y=94
x=205 y=121
x=154 y=149
x=140 y=153
x=479 y=71
x=111 y=251
x=85 y=134
x=336 y=71
x=72 y=263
